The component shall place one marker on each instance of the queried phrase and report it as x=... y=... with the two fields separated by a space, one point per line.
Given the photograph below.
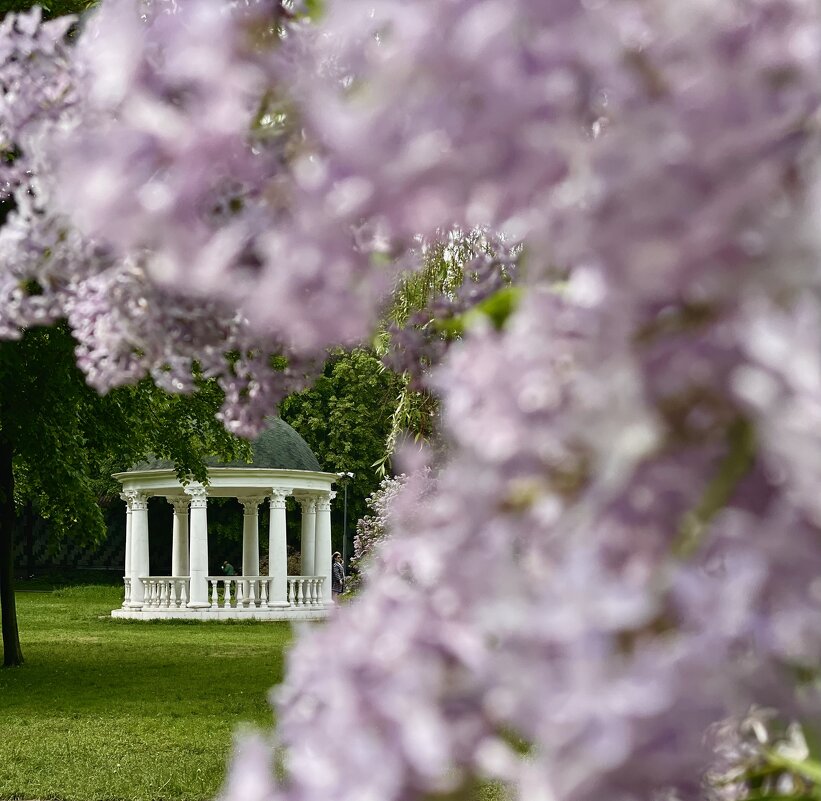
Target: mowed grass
x=108 y=709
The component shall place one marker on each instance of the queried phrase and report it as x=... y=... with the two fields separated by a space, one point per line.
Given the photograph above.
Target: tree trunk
x=12 y=655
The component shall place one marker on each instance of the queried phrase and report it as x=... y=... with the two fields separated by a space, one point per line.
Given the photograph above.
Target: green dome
x=278 y=447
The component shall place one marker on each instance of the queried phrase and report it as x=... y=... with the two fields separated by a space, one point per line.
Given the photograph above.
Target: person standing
x=337 y=574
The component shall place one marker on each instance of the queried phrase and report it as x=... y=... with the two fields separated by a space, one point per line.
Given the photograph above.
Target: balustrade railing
x=239 y=592
x=252 y=592
x=305 y=591
x=227 y=592
x=165 y=592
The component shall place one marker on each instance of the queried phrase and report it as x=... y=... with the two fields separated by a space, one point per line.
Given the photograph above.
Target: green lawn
x=107 y=709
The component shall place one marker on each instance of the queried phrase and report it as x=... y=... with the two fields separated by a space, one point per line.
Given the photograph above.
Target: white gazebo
x=283 y=465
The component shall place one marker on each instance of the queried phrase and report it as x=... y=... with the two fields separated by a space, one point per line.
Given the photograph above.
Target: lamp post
x=344 y=479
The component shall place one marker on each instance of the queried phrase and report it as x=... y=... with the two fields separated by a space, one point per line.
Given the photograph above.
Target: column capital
x=137 y=501
x=180 y=503
x=307 y=501
x=125 y=497
x=323 y=501
x=251 y=503
x=278 y=496
x=199 y=495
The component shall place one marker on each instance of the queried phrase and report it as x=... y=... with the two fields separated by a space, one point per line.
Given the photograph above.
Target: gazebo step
x=204 y=615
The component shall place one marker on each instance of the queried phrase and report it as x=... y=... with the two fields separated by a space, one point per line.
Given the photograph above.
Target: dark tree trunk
x=12 y=655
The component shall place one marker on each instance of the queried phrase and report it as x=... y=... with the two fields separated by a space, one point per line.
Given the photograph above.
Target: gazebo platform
x=231 y=598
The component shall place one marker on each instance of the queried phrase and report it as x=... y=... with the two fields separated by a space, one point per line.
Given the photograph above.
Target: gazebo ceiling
x=278 y=447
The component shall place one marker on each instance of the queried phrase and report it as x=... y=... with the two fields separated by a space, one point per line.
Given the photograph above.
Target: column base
x=198 y=605
x=135 y=605
x=278 y=604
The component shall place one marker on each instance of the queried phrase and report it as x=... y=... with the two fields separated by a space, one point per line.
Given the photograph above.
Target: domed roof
x=278 y=447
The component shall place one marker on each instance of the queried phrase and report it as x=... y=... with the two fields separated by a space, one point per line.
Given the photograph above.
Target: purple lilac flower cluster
x=127 y=324
x=37 y=90
x=187 y=151
x=601 y=574
x=543 y=592
x=373 y=529
x=623 y=544
x=116 y=314
x=484 y=113
x=37 y=84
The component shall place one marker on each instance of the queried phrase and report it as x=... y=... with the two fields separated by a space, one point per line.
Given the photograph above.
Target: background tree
x=345 y=417
x=60 y=441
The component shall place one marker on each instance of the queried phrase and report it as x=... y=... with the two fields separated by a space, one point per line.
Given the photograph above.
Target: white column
x=127 y=571
x=322 y=558
x=308 y=537
x=250 y=535
x=139 y=546
x=198 y=541
x=179 y=536
x=278 y=549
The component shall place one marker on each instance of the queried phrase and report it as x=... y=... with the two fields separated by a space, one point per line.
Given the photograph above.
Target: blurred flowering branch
x=658 y=159
x=757 y=758
x=465 y=279
x=731 y=470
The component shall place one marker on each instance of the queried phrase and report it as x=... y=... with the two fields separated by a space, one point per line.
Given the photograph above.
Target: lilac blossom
x=39 y=250
x=484 y=604
x=36 y=86
x=114 y=316
x=374 y=529
x=483 y=113
x=53 y=270
x=151 y=116
x=182 y=153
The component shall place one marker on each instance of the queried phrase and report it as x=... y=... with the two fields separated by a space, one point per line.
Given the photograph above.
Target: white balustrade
x=252 y=592
x=164 y=592
x=305 y=591
x=127 y=595
x=239 y=592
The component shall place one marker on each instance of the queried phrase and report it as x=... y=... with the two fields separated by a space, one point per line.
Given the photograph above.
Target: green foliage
x=179 y=428
x=441 y=273
x=43 y=416
x=345 y=418
x=314 y=9
x=497 y=308
x=51 y=8
x=67 y=439
x=414 y=415
x=129 y=710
